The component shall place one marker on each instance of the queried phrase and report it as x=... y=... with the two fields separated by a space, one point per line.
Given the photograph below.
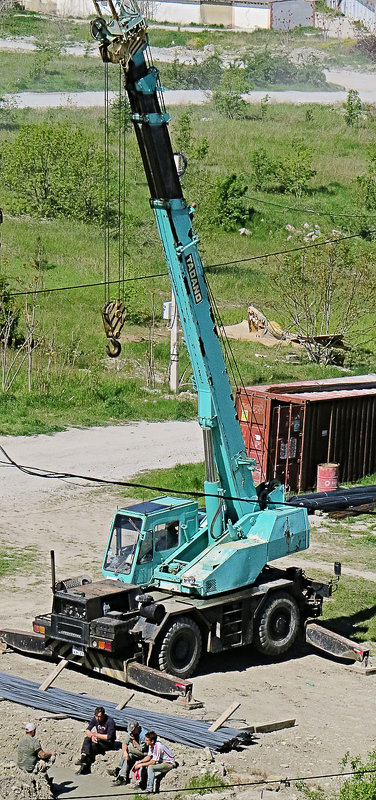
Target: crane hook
x=116 y=347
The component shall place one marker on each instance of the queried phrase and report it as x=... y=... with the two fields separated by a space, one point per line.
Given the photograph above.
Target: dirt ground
x=334 y=707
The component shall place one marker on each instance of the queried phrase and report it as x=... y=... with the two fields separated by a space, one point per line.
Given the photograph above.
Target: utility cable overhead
x=286 y=781
x=41 y=472
x=258 y=199
x=366 y=233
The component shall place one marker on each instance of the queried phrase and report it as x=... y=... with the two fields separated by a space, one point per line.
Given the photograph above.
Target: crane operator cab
x=143 y=535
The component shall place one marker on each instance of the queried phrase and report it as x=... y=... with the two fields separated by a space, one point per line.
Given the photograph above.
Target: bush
x=353 y=107
x=55 y=169
x=367 y=183
x=290 y=174
x=204 y=75
x=360 y=786
x=266 y=69
x=227 y=96
x=228 y=202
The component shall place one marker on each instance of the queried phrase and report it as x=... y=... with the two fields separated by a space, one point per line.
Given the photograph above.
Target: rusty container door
x=316 y=441
x=353 y=437
x=286 y=442
x=254 y=415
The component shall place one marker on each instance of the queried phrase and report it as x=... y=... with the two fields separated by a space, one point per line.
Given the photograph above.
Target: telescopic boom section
x=123 y=40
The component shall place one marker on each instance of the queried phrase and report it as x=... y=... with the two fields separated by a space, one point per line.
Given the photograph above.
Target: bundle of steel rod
x=337 y=500
x=175 y=729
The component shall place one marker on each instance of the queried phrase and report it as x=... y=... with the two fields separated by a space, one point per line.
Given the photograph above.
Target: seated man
x=100 y=736
x=30 y=750
x=159 y=760
x=133 y=748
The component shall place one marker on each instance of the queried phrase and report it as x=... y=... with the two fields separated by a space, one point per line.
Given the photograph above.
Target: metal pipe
x=53 y=571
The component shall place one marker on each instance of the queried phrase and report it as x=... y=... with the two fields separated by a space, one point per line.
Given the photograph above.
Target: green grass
x=352 y=609
x=14 y=560
x=22 y=72
x=43 y=28
x=181 y=478
x=204 y=783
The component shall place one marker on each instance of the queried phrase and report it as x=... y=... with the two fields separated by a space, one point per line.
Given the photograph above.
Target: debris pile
x=19 y=785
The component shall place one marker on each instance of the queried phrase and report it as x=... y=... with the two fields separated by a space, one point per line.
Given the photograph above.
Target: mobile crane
x=179 y=580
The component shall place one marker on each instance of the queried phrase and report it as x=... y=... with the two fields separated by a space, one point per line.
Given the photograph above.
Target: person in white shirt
x=159 y=760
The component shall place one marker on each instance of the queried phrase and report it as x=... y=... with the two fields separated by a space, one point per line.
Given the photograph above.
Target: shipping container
x=291 y=428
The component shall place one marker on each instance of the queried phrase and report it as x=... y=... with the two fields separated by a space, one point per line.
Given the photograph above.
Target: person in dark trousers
x=133 y=748
x=30 y=750
x=100 y=736
x=159 y=760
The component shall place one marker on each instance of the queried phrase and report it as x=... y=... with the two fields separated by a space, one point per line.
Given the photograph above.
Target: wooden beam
x=59 y=668
x=226 y=714
x=123 y=703
x=267 y=727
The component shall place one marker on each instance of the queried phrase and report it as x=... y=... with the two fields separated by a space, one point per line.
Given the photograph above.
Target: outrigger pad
x=335 y=644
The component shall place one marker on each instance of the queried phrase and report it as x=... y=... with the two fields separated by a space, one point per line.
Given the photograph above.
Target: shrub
x=55 y=169
x=228 y=203
x=353 y=107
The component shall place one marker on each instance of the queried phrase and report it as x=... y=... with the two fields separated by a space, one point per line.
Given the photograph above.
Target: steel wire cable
x=285 y=781
x=39 y=472
x=340 y=501
x=363 y=234
x=238 y=380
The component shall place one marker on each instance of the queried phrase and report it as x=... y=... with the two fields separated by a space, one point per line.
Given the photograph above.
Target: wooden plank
x=123 y=703
x=267 y=727
x=226 y=714
x=59 y=668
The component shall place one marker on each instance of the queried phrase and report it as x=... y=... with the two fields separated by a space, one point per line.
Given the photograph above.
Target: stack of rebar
x=337 y=500
x=175 y=729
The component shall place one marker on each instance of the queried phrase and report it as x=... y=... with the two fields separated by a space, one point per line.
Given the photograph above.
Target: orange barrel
x=327 y=477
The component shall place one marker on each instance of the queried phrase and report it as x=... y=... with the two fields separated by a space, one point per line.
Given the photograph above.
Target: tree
x=295 y=171
x=367 y=183
x=228 y=206
x=353 y=107
x=55 y=170
x=187 y=143
x=325 y=291
x=227 y=96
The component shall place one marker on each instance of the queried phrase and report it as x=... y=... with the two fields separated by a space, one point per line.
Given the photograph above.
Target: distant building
x=241 y=14
x=360 y=10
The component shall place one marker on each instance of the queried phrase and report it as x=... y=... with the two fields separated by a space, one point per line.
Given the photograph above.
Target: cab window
x=166 y=536
x=146 y=550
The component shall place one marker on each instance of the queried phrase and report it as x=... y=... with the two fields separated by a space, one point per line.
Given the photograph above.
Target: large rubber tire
x=180 y=648
x=277 y=625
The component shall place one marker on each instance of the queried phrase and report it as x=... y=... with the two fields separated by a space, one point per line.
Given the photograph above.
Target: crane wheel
x=277 y=625
x=180 y=648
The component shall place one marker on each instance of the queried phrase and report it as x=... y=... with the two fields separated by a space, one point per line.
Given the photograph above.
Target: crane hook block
x=116 y=348
x=113 y=315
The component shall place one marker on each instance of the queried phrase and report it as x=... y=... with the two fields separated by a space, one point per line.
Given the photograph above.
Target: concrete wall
x=288 y=14
x=246 y=16
x=174 y=11
x=353 y=9
x=250 y=17
x=215 y=14
x=63 y=8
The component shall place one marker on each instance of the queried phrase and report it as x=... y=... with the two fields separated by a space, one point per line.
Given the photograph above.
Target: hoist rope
x=106 y=189
x=121 y=187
